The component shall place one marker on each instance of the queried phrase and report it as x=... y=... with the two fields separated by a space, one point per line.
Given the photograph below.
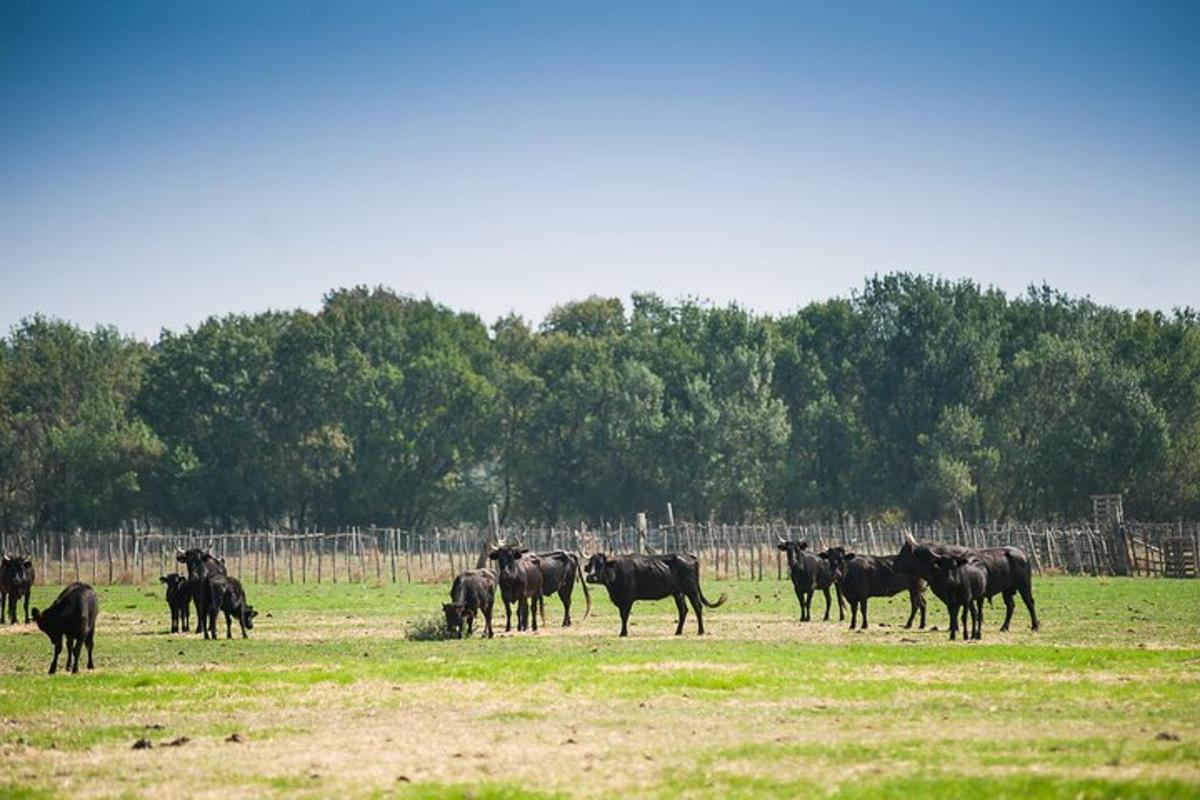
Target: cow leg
x=487 y=620
x=1026 y=597
x=825 y=592
x=89 y=641
x=979 y=618
x=808 y=604
x=953 y=608
x=78 y=646
x=625 y=609
x=212 y=622
x=12 y=608
x=698 y=607
x=1009 y=605
x=853 y=614
x=229 y=625
x=681 y=608
x=864 y=610
x=57 y=640
x=799 y=598
x=184 y=614
x=564 y=594
x=837 y=590
x=534 y=610
x=507 y=616
x=27 y=593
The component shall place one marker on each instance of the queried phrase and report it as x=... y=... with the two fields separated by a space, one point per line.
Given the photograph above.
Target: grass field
x=330 y=699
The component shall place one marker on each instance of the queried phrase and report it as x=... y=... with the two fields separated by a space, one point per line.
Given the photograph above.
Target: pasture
x=328 y=698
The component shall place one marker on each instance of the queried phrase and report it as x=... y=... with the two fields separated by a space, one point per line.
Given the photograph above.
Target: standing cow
x=810 y=573
x=473 y=591
x=72 y=615
x=964 y=579
x=179 y=600
x=202 y=567
x=863 y=577
x=637 y=577
x=560 y=570
x=226 y=595
x=1008 y=571
x=520 y=577
x=16 y=580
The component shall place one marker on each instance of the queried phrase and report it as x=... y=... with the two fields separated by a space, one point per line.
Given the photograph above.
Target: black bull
x=638 y=577
x=1008 y=572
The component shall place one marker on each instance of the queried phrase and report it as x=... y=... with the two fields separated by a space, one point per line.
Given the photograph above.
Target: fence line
x=381 y=555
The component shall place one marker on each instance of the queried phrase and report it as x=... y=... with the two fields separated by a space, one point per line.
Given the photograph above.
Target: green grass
x=332 y=699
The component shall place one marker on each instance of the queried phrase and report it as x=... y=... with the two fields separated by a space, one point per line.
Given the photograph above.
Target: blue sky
x=161 y=162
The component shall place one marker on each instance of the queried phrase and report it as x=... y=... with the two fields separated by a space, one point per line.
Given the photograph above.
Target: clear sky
x=164 y=161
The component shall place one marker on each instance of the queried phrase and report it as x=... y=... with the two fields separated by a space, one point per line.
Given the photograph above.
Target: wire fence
x=393 y=555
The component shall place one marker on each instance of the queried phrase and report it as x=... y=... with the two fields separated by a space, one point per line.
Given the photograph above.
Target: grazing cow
x=473 y=591
x=809 y=573
x=16 y=579
x=964 y=579
x=862 y=577
x=638 y=577
x=1008 y=571
x=201 y=567
x=73 y=615
x=560 y=570
x=520 y=577
x=225 y=594
x=179 y=598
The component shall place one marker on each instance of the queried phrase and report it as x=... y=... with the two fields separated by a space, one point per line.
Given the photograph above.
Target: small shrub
x=426 y=629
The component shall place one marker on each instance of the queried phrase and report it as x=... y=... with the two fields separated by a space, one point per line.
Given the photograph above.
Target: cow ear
x=961 y=561
x=28 y=564
x=163 y=579
x=494 y=555
x=802 y=546
x=849 y=556
x=782 y=546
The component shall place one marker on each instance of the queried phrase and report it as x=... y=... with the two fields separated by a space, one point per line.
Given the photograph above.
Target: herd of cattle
x=961 y=577
x=72 y=615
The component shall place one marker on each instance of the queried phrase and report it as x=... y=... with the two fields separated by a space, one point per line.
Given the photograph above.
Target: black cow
x=73 y=615
x=560 y=570
x=964 y=579
x=1008 y=571
x=202 y=566
x=520 y=576
x=862 y=577
x=16 y=580
x=227 y=596
x=179 y=598
x=473 y=591
x=637 y=577
x=809 y=573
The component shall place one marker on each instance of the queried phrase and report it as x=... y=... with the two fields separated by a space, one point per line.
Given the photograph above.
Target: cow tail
x=720 y=600
x=587 y=595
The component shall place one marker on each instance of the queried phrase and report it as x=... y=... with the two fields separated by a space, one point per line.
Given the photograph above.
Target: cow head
x=173 y=581
x=507 y=555
x=836 y=556
x=454 y=618
x=948 y=564
x=909 y=559
x=198 y=561
x=17 y=570
x=792 y=548
x=248 y=615
x=599 y=569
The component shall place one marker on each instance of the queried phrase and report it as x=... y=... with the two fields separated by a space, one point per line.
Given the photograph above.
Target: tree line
x=915 y=398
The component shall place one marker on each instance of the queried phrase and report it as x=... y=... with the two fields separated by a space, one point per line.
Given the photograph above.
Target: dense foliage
x=915 y=397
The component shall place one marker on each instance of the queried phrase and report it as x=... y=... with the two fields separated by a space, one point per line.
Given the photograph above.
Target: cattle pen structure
x=383 y=554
